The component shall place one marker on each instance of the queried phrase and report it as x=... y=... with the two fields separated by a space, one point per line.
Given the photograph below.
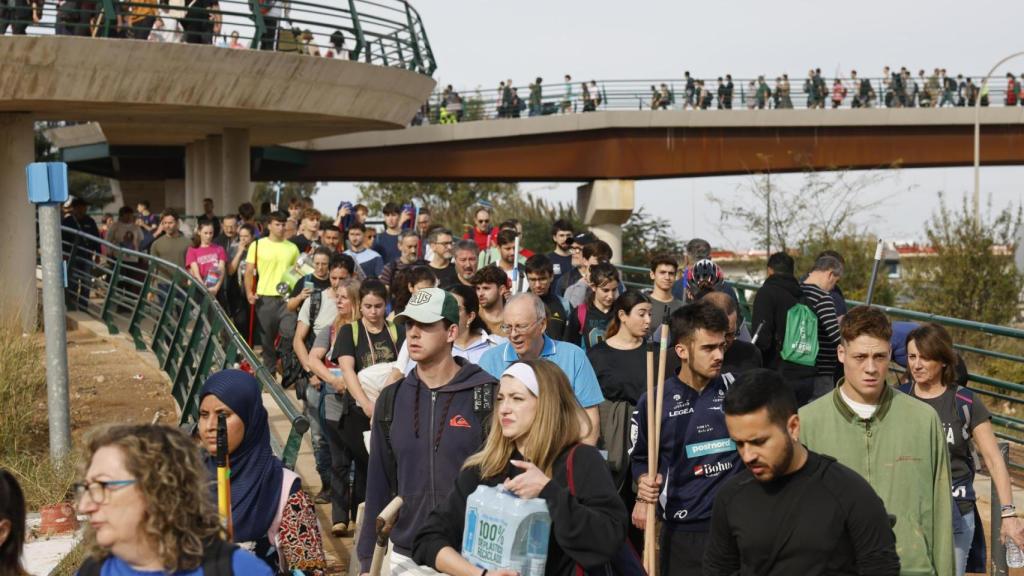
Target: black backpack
x=216 y=560
x=384 y=414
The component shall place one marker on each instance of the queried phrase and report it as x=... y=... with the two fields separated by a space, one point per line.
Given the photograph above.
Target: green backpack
x=800 y=346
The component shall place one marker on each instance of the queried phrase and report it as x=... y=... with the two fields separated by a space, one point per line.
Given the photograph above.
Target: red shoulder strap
x=569 y=473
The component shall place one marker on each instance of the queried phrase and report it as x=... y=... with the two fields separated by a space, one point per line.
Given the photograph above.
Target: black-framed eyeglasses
x=99 y=490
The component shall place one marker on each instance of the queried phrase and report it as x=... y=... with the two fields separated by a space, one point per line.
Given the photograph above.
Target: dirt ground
x=111 y=382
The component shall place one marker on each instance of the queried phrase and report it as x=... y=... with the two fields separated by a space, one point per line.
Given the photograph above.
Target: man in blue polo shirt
x=695 y=451
x=525 y=319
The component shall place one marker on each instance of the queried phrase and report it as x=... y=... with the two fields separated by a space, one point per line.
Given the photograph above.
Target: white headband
x=524 y=374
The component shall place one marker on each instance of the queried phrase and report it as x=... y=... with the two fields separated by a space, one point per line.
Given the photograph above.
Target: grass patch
x=69 y=564
x=23 y=421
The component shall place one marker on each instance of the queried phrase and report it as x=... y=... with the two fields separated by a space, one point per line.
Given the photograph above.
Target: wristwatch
x=1008 y=511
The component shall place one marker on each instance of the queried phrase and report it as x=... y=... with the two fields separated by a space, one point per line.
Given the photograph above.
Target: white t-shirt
x=865 y=411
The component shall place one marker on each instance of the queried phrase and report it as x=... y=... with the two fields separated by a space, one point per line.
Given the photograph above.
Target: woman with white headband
x=533 y=440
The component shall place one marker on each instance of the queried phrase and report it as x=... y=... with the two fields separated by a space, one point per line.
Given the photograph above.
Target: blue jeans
x=962 y=543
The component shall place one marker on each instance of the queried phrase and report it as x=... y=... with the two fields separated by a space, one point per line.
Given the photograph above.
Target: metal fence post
x=996 y=548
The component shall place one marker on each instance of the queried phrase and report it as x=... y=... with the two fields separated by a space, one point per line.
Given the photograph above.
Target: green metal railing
x=559 y=97
x=1006 y=398
x=167 y=311
x=381 y=32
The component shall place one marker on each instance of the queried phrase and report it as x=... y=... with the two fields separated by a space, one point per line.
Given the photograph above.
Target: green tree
x=268 y=192
x=972 y=275
x=644 y=236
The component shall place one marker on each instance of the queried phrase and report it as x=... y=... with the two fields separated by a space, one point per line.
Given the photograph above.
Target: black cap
x=584 y=238
x=77 y=201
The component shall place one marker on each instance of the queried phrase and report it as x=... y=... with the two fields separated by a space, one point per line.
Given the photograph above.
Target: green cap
x=431 y=305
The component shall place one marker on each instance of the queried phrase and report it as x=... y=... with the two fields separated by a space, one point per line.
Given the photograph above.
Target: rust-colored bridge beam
x=660 y=152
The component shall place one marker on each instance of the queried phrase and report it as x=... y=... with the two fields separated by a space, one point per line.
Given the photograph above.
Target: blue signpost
x=48 y=189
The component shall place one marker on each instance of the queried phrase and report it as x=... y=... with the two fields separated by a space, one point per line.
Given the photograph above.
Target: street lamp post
x=976 y=199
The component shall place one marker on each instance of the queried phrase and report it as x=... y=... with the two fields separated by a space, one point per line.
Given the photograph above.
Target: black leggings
x=353 y=424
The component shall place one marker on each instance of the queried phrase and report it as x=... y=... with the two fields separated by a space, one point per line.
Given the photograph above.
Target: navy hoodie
x=433 y=432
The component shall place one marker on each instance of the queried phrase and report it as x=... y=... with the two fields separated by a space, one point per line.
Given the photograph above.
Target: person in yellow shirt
x=267 y=261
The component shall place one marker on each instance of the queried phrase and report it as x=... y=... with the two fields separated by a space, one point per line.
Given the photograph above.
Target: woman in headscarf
x=268 y=506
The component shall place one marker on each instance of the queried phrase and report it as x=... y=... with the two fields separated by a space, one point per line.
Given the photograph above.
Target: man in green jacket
x=893 y=441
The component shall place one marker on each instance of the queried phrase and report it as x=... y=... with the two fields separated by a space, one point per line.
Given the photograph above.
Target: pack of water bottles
x=504 y=531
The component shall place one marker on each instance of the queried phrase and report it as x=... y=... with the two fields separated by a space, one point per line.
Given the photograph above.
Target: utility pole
x=48 y=189
x=768 y=215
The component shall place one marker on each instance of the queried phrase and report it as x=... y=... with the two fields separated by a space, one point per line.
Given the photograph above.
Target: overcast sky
x=480 y=42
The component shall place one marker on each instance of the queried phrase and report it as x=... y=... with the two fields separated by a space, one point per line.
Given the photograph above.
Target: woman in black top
x=366 y=342
x=588 y=321
x=534 y=438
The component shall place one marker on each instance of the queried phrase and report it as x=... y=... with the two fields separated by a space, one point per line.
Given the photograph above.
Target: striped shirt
x=828 y=327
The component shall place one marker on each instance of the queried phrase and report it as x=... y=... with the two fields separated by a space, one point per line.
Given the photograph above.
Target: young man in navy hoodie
x=438 y=418
x=696 y=454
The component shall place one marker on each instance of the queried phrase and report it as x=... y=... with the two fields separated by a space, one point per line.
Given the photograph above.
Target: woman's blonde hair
x=350 y=286
x=168 y=468
x=557 y=425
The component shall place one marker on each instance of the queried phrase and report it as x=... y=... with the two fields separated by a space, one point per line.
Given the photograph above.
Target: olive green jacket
x=901 y=451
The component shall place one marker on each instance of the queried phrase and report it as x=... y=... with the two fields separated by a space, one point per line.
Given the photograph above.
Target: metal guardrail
x=167 y=311
x=381 y=32
x=559 y=97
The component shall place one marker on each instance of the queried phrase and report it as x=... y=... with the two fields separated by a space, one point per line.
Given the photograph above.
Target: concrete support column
x=191 y=171
x=235 y=169
x=605 y=205
x=174 y=194
x=214 y=185
x=199 y=192
x=18 y=299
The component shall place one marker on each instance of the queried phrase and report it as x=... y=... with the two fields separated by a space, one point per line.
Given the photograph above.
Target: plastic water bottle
x=212 y=277
x=503 y=531
x=1014 y=557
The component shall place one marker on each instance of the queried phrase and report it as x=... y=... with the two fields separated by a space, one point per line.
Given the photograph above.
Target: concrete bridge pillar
x=199 y=191
x=18 y=299
x=191 y=172
x=174 y=194
x=235 y=169
x=214 y=186
x=605 y=205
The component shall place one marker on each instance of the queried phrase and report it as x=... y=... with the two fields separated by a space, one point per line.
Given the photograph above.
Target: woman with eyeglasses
x=146 y=493
x=270 y=512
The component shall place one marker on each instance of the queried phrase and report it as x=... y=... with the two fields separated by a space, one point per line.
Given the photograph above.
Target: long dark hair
x=599 y=274
x=934 y=343
x=625 y=303
x=12 y=508
x=470 y=303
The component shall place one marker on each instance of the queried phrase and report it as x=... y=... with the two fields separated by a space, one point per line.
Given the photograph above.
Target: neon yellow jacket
x=902 y=453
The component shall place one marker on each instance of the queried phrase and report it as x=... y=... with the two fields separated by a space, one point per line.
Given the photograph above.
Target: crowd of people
x=893 y=89
x=786 y=445
x=176 y=21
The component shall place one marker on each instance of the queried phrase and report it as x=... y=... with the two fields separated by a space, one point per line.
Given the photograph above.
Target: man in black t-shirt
x=540 y=275
x=441 y=240
x=792 y=511
x=561 y=257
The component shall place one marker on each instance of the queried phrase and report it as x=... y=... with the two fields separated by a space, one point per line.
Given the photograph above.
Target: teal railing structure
x=1005 y=398
x=165 y=310
x=559 y=97
x=380 y=32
